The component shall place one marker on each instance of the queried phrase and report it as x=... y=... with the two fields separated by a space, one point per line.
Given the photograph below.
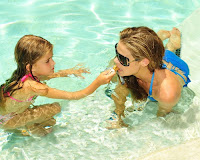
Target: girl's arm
x=44 y=90
x=76 y=71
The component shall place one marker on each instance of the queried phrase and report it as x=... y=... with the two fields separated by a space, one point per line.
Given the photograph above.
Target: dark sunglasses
x=123 y=60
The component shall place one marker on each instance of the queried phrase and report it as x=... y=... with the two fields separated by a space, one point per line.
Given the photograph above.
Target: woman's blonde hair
x=28 y=50
x=142 y=42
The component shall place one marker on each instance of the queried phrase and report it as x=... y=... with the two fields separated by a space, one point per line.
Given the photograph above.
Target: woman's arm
x=166 y=103
x=119 y=97
x=44 y=90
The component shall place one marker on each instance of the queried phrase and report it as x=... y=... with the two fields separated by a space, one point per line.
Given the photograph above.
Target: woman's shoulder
x=170 y=89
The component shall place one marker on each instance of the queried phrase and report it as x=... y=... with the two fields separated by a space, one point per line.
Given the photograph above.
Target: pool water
x=85 y=32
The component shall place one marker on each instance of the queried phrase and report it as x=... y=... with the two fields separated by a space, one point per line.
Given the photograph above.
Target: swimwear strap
x=151 y=85
x=26 y=76
x=28 y=100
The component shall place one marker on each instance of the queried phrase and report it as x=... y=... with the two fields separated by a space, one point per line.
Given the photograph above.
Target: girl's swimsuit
x=22 y=80
x=5 y=118
x=178 y=66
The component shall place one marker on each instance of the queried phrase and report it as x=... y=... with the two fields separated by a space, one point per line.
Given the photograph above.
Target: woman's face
x=123 y=52
x=44 y=66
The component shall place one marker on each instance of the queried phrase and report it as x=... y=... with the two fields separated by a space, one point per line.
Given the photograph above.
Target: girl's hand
x=105 y=77
x=76 y=71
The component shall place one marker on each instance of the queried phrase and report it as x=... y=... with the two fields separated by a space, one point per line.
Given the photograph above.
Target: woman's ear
x=144 y=62
x=28 y=67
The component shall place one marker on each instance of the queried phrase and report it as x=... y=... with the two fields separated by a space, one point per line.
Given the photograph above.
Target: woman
x=149 y=70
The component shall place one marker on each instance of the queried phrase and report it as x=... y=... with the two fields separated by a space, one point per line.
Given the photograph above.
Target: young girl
x=33 y=55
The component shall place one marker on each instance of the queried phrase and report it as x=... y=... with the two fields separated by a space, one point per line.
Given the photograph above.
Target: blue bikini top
x=177 y=63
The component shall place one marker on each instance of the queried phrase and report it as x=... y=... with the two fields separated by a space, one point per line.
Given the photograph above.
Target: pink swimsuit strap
x=28 y=100
x=22 y=80
x=26 y=76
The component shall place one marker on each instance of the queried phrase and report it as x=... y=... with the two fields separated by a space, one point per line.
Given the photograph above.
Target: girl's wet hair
x=142 y=42
x=28 y=50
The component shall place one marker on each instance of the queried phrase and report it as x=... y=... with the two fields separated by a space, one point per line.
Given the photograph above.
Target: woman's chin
x=123 y=74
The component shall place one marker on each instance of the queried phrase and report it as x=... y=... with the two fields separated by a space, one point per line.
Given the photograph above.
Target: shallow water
x=86 y=33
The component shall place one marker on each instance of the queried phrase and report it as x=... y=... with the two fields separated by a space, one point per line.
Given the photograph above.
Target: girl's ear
x=144 y=62
x=28 y=67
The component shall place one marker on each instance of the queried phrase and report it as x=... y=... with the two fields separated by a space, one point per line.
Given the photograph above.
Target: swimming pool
x=85 y=32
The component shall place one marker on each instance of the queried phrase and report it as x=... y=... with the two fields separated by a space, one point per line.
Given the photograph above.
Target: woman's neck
x=144 y=75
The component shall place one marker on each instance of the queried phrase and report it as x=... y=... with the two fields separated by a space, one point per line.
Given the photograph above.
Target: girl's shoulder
x=37 y=88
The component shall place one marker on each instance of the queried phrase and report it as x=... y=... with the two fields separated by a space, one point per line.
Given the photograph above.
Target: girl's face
x=44 y=66
x=134 y=65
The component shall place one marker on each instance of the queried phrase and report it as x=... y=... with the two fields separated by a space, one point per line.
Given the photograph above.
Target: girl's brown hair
x=142 y=42
x=28 y=50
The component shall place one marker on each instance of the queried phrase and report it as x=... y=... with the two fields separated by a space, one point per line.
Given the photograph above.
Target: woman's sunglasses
x=123 y=60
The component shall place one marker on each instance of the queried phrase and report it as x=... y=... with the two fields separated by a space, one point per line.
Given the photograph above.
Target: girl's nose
x=53 y=62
